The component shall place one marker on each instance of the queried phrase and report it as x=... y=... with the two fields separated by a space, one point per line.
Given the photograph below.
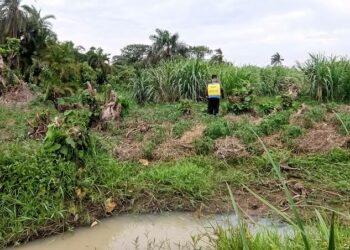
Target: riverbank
x=158 y=159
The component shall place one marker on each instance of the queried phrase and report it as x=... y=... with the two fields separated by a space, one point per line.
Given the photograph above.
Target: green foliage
x=180 y=127
x=171 y=81
x=217 y=128
x=275 y=80
x=70 y=138
x=328 y=77
x=266 y=107
x=185 y=106
x=148 y=150
x=187 y=180
x=274 y=122
x=241 y=100
x=343 y=122
x=204 y=145
x=292 y=131
x=314 y=115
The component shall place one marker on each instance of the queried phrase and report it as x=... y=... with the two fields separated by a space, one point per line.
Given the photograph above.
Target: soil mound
x=322 y=138
x=273 y=141
x=230 y=147
x=178 y=148
x=129 y=150
x=20 y=94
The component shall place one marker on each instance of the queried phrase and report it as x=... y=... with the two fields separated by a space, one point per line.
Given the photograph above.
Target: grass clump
x=181 y=127
x=217 y=129
x=204 y=145
x=187 y=180
x=342 y=120
x=291 y=132
x=274 y=122
x=314 y=115
x=148 y=150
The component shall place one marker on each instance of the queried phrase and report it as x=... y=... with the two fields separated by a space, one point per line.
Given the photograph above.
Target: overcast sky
x=248 y=31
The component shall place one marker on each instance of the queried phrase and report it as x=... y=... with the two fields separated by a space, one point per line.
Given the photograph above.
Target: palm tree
x=276 y=59
x=166 y=45
x=37 y=33
x=12 y=19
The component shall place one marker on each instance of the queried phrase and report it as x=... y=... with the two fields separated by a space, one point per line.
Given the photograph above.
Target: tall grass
x=173 y=80
x=328 y=76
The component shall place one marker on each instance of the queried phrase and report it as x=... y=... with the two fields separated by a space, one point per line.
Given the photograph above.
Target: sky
x=247 y=31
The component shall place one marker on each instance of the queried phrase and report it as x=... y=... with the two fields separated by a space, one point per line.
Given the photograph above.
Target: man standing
x=215 y=93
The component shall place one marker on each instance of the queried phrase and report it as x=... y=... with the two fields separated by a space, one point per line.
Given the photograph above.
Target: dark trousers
x=213 y=106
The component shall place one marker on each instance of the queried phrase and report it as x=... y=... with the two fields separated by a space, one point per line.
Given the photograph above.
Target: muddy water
x=166 y=231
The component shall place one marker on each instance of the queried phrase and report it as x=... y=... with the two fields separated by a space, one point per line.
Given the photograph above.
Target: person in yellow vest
x=215 y=93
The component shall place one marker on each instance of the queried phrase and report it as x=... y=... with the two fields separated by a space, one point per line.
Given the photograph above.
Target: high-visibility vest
x=214 y=90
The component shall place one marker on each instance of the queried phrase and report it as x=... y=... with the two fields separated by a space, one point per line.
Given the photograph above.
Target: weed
x=148 y=150
x=274 y=122
x=342 y=120
x=204 y=146
x=217 y=129
x=314 y=115
x=180 y=127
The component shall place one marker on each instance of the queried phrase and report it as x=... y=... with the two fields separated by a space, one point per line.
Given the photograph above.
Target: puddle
x=130 y=232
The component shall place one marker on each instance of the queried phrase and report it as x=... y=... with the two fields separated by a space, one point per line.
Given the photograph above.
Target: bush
x=70 y=138
x=185 y=107
x=204 y=146
x=217 y=129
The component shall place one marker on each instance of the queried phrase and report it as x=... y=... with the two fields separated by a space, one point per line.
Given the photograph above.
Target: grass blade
x=240 y=223
x=287 y=193
x=331 y=245
x=342 y=122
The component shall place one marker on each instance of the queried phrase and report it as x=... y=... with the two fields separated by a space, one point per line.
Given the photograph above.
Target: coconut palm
x=12 y=19
x=276 y=59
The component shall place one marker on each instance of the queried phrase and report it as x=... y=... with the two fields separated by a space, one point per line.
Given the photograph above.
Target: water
x=130 y=232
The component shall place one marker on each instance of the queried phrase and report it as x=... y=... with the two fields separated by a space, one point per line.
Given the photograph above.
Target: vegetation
x=84 y=135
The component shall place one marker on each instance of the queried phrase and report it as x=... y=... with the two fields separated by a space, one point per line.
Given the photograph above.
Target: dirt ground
x=20 y=95
x=322 y=138
x=179 y=148
x=230 y=147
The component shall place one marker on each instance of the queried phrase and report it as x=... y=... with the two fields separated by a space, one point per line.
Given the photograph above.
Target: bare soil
x=19 y=95
x=230 y=147
x=320 y=139
x=179 y=148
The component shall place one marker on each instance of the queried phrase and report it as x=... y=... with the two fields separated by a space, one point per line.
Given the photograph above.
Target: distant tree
x=276 y=59
x=131 y=54
x=99 y=61
x=199 y=52
x=166 y=45
x=218 y=56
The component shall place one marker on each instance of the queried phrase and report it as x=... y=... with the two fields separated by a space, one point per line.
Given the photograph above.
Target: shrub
x=185 y=107
x=204 y=146
x=70 y=138
x=217 y=129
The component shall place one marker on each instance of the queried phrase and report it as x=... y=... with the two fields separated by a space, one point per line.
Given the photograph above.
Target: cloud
x=248 y=31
